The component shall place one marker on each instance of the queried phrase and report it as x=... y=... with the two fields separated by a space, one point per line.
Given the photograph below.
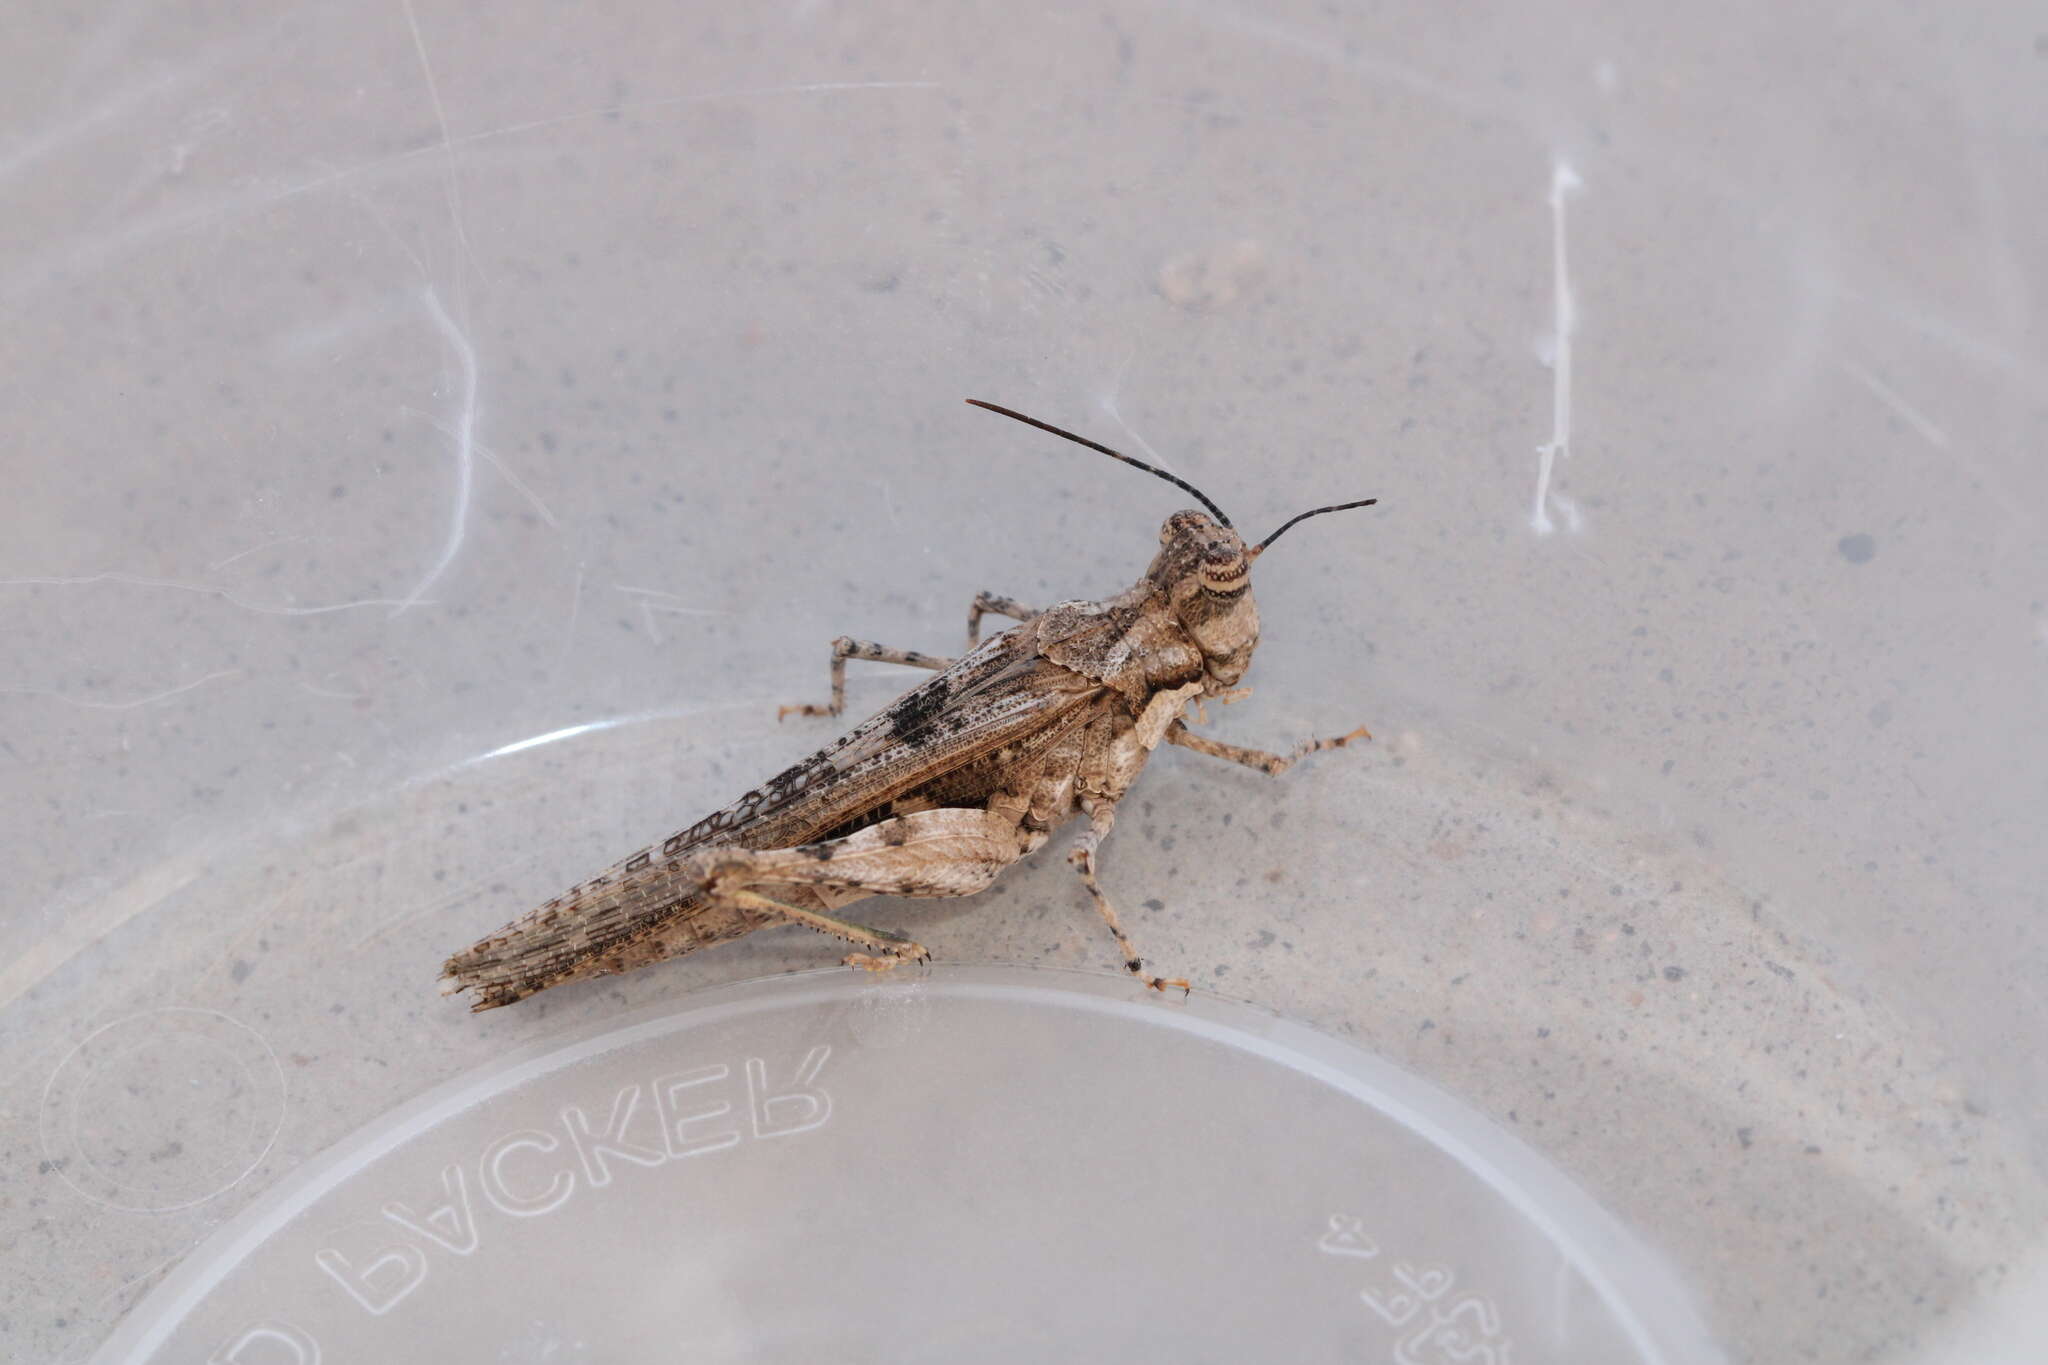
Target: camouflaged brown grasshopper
x=954 y=781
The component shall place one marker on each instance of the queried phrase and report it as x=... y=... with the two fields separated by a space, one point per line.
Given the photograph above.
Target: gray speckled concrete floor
x=384 y=395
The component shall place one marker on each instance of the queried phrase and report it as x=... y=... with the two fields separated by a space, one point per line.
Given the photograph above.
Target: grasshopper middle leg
x=1101 y=817
x=988 y=604
x=1270 y=764
x=844 y=648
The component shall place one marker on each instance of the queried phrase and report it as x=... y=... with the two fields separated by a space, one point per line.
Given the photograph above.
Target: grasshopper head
x=1206 y=572
x=1203 y=566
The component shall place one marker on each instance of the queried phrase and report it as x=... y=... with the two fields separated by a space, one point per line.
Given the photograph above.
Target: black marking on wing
x=778 y=790
x=849 y=776
x=910 y=712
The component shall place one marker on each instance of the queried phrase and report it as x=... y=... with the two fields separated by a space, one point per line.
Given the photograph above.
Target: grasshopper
x=954 y=781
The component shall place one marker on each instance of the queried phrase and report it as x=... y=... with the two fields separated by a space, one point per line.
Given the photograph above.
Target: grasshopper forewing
x=959 y=777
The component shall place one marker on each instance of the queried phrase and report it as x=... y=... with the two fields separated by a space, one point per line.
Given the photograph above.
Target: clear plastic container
x=988 y=1165
x=439 y=438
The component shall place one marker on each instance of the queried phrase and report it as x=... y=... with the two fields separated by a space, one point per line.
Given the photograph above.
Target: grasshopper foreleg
x=845 y=648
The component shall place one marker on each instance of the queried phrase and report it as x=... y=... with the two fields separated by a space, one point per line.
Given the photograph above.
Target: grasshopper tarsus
x=890 y=961
x=961 y=776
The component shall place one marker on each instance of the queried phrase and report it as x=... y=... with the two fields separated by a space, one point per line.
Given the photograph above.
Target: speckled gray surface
x=390 y=388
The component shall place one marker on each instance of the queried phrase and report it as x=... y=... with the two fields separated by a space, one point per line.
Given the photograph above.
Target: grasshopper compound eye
x=1186 y=525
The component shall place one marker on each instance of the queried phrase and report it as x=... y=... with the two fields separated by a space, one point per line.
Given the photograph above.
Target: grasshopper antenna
x=1173 y=479
x=1260 y=548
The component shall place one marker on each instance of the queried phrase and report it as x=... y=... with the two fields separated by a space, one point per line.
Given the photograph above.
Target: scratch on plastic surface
x=595 y=112
x=575 y=615
x=667 y=101
x=491 y=458
x=1891 y=398
x=318 y=340
x=25 y=152
x=519 y=485
x=255 y=549
x=150 y=700
x=2006 y=280
x=578 y=115
x=138 y=1279
x=331 y=694
x=671 y=602
x=1564 y=322
x=465 y=450
x=1339 y=55
x=474 y=890
x=1993 y=355
x=53 y=266
x=551 y=737
x=653 y=600
x=452 y=183
x=202 y=589
x=2009 y=505
x=592 y=727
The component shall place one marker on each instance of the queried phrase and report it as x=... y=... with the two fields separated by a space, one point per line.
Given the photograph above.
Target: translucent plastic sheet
x=439 y=437
x=984 y=1165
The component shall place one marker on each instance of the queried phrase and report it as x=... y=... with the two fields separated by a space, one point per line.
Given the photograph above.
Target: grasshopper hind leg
x=893 y=948
x=950 y=851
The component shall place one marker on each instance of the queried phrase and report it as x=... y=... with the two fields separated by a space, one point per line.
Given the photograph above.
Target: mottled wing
x=1000 y=691
x=1002 y=694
